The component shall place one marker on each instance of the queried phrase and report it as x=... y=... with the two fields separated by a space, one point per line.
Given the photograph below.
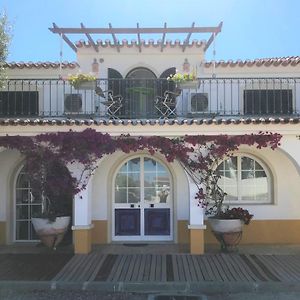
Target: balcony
x=150 y=99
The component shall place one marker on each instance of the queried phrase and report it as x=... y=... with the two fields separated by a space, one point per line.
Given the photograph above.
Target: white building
x=232 y=97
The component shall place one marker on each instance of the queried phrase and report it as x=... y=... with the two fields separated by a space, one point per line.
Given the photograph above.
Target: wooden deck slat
x=95 y=267
x=74 y=263
x=158 y=269
x=152 y=268
x=236 y=276
x=115 y=273
x=212 y=262
x=77 y=269
x=287 y=264
x=258 y=267
x=164 y=268
x=207 y=272
x=125 y=267
x=86 y=272
x=281 y=271
x=181 y=273
x=133 y=260
x=239 y=268
x=186 y=268
x=192 y=267
x=142 y=268
x=136 y=269
x=146 y=275
x=198 y=268
x=175 y=268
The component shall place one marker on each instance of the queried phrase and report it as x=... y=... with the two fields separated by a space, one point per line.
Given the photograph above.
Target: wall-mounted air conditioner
x=198 y=103
x=73 y=103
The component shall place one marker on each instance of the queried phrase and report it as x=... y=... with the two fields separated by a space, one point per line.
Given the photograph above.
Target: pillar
x=196 y=222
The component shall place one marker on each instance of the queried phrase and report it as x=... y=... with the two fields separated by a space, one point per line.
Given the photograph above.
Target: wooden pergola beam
x=186 y=41
x=138 y=31
x=213 y=35
x=65 y=38
x=139 y=38
x=134 y=30
x=163 y=39
x=114 y=37
x=90 y=39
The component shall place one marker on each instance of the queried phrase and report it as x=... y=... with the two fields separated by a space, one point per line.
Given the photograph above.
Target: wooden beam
x=213 y=35
x=134 y=30
x=90 y=39
x=139 y=38
x=65 y=38
x=186 y=41
x=114 y=37
x=163 y=38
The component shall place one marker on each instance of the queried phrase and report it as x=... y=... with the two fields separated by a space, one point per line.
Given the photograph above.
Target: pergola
x=88 y=32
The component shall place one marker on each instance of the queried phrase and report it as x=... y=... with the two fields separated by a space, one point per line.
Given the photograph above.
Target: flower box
x=86 y=85
x=193 y=84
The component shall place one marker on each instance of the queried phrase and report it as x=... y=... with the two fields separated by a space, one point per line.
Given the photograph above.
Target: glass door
x=142 y=206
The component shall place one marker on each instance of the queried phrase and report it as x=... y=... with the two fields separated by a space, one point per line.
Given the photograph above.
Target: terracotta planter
x=227 y=232
x=51 y=233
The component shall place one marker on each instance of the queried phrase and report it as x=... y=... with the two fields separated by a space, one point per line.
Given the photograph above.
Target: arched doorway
x=141 y=90
x=142 y=207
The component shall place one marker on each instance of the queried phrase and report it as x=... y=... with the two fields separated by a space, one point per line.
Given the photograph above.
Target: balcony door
x=141 y=91
x=142 y=202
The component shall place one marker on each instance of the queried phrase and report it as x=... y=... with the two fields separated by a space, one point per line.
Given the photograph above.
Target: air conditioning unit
x=198 y=103
x=73 y=103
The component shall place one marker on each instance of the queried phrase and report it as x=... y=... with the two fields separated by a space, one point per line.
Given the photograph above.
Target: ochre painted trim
x=183 y=232
x=265 y=232
x=82 y=241
x=2 y=233
x=197 y=241
x=99 y=232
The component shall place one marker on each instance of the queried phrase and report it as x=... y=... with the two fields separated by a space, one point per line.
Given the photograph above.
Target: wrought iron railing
x=150 y=99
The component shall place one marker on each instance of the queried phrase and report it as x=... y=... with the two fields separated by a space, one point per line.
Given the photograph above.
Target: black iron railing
x=150 y=99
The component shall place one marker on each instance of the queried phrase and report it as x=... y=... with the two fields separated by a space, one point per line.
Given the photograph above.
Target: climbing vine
x=48 y=155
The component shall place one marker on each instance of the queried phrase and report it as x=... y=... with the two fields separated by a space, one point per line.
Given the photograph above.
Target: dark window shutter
x=164 y=84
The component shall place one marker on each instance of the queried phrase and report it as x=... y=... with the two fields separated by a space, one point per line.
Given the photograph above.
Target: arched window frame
x=266 y=169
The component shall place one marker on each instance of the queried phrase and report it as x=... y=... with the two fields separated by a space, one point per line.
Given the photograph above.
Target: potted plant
x=53 y=185
x=226 y=222
x=82 y=81
x=184 y=80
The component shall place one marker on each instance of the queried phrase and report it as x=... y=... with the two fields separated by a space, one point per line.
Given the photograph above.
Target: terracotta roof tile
x=40 y=65
x=106 y=122
x=276 y=61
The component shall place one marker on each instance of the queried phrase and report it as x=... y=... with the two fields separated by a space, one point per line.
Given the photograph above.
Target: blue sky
x=251 y=29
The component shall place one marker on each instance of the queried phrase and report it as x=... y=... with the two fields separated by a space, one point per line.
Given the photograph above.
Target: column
x=82 y=220
x=196 y=225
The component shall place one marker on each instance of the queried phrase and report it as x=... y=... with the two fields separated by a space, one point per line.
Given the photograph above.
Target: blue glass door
x=142 y=208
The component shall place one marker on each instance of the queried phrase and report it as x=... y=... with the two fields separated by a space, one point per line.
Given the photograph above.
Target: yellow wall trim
x=265 y=232
x=99 y=232
x=2 y=233
x=82 y=241
x=183 y=232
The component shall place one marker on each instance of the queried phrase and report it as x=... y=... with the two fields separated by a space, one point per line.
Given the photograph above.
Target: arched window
x=26 y=206
x=245 y=180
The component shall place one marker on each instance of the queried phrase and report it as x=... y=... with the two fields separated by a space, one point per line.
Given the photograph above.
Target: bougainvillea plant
x=48 y=158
